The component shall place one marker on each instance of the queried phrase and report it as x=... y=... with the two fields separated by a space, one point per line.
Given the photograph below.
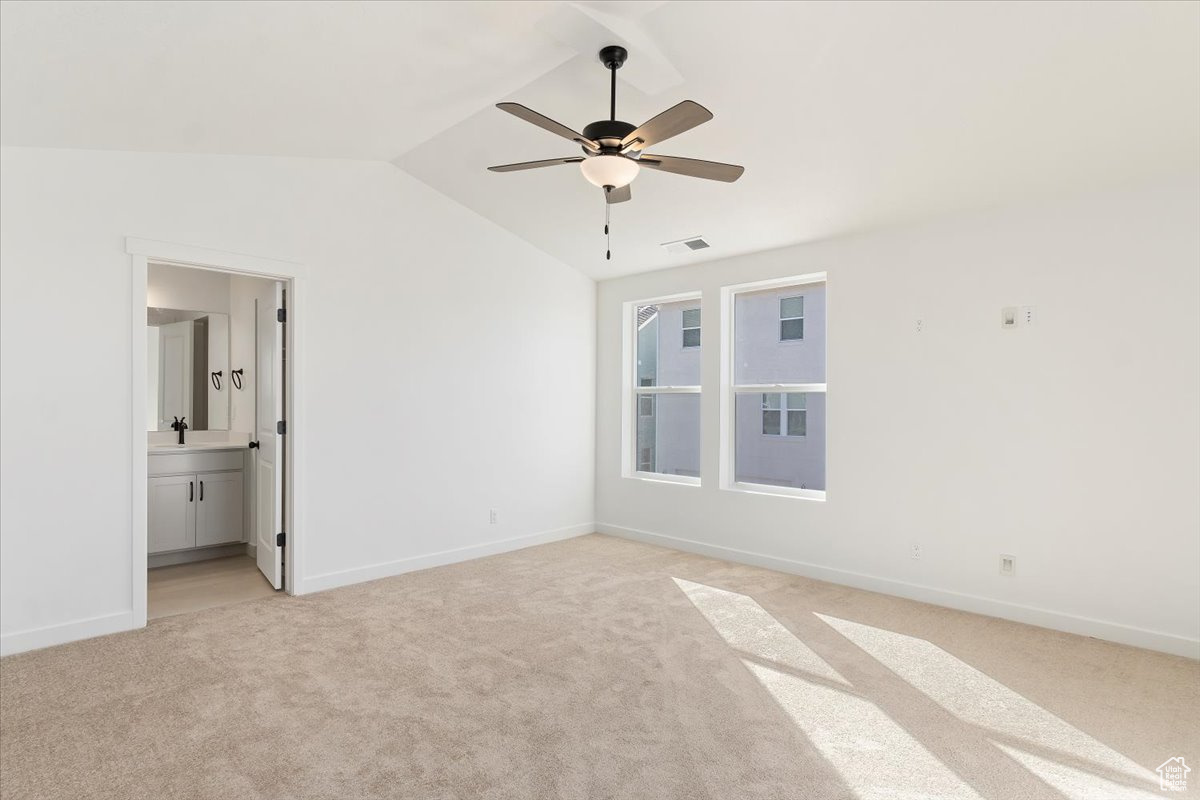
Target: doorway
x=214 y=521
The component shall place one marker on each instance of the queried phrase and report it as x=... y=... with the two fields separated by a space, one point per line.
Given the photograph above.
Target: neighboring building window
x=791 y=318
x=777 y=413
x=665 y=401
x=784 y=414
x=691 y=327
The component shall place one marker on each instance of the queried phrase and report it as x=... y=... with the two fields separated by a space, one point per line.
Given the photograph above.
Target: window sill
x=777 y=491
x=658 y=477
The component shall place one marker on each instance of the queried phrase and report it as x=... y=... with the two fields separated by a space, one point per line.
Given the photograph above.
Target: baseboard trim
x=1044 y=618
x=37 y=638
x=387 y=569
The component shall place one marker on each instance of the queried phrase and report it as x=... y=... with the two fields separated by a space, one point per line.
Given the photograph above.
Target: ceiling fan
x=614 y=151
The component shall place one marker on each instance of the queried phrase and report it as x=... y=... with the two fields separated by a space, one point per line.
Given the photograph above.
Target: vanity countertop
x=198 y=447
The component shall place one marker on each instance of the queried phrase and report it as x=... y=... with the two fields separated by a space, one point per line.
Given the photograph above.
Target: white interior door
x=174 y=373
x=269 y=461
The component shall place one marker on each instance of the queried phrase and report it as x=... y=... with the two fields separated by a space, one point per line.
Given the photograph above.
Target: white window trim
x=730 y=390
x=783 y=319
x=630 y=391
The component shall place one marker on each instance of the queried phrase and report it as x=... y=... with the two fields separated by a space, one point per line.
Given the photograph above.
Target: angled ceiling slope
x=847 y=116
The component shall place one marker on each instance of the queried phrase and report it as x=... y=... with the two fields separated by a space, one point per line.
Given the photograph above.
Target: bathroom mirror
x=187 y=369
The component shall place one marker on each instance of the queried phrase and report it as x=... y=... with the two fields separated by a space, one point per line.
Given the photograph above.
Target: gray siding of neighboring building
x=760 y=357
x=797 y=461
x=678 y=434
x=647 y=375
x=673 y=432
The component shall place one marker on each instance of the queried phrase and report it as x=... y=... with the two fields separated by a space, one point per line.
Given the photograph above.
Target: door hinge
x=281 y=427
x=281 y=314
x=280 y=539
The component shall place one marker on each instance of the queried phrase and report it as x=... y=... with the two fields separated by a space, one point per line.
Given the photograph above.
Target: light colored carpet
x=593 y=668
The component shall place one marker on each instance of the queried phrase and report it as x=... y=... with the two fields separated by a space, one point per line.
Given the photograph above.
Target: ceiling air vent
x=685 y=245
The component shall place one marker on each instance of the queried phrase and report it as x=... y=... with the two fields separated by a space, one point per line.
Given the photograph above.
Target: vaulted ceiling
x=847 y=116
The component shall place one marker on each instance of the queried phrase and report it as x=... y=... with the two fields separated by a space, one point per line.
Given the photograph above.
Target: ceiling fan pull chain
x=607 y=234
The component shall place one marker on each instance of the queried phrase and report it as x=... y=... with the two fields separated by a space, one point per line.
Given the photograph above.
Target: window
x=664 y=440
x=774 y=388
x=791 y=318
x=784 y=414
x=691 y=327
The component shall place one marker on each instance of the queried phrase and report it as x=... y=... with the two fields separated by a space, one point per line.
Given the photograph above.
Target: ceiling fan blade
x=549 y=162
x=694 y=167
x=618 y=195
x=544 y=122
x=672 y=122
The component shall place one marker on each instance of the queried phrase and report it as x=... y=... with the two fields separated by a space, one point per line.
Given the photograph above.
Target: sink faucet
x=180 y=424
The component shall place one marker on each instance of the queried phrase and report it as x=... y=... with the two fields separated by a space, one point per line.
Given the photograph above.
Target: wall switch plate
x=493 y=516
x=915 y=551
x=1008 y=317
x=1028 y=315
x=1008 y=565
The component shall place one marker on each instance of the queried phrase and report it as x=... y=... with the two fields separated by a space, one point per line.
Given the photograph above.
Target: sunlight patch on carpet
x=874 y=755
x=981 y=700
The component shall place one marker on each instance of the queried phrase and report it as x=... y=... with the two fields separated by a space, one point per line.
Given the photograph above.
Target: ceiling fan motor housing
x=608 y=133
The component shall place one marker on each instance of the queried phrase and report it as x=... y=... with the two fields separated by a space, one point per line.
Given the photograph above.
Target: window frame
x=783 y=319
x=632 y=391
x=729 y=389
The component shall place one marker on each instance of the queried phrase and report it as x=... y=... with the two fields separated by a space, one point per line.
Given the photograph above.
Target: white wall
x=1071 y=444
x=451 y=369
x=187 y=289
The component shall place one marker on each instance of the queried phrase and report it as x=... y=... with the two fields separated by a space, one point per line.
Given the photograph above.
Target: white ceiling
x=847 y=116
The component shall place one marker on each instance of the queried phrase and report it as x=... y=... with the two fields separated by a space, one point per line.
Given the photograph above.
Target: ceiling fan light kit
x=613 y=150
x=614 y=171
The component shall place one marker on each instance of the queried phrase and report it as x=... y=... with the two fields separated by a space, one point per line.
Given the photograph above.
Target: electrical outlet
x=494 y=516
x=915 y=551
x=920 y=325
x=1008 y=565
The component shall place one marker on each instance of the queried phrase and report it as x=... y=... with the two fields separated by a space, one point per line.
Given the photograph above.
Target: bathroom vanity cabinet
x=196 y=499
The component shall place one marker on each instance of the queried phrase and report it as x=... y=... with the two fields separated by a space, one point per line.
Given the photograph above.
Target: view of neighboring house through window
x=667 y=389
x=778 y=387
